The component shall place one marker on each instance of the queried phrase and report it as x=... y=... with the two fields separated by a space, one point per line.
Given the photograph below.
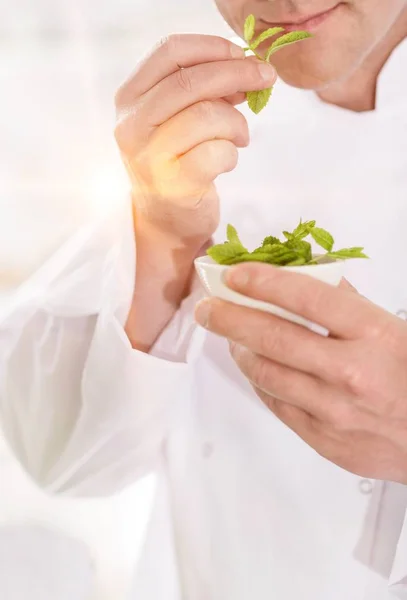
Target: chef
x=279 y=455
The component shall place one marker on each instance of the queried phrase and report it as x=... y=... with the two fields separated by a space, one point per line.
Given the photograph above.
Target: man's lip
x=301 y=21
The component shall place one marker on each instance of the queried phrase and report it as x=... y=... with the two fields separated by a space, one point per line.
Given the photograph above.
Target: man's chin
x=314 y=75
x=316 y=82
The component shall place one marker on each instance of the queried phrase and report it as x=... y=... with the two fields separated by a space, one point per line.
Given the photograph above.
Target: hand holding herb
x=293 y=251
x=258 y=100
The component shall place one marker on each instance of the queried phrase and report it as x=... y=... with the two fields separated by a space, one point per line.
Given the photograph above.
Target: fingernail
x=267 y=72
x=237 y=51
x=202 y=312
x=237 y=277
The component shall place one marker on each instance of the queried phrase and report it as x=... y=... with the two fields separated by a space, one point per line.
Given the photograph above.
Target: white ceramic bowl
x=211 y=275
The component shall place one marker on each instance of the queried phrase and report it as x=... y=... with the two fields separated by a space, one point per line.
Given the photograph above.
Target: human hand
x=178 y=129
x=346 y=394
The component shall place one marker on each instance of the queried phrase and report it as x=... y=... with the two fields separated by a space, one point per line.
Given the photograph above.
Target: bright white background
x=60 y=63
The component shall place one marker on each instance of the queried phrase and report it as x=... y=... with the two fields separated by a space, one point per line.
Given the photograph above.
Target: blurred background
x=60 y=64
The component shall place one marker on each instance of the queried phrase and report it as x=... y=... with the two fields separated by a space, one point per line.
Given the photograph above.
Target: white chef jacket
x=244 y=509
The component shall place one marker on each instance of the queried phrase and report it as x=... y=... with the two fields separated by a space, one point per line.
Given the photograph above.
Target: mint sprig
x=293 y=251
x=249 y=27
x=257 y=100
x=286 y=40
x=233 y=238
x=265 y=35
x=322 y=238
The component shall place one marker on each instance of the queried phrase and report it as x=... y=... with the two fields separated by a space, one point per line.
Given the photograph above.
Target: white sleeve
x=84 y=412
x=398 y=576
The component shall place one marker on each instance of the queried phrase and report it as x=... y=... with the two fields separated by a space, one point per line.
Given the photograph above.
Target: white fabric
x=244 y=509
x=37 y=563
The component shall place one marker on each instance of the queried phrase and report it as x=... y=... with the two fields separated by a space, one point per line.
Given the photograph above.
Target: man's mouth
x=304 y=22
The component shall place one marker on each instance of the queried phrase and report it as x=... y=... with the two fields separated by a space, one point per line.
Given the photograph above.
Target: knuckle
x=237 y=123
x=164 y=42
x=380 y=330
x=118 y=133
x=231 y=157
x=124 y=134
x=258 y=371
x=239 y=353
x=354 y=378
x=221 y=157
x=240 y=344
x=184 y=80
x=121 y=96
x=244 y=128
x=125 y=96
x=121 y=137
x=271 y=341
x=118 y=96
x=170 y=43
x=205 y=110
x=225 y=118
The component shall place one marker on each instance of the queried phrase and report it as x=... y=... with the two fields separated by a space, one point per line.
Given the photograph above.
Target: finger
x=201 y=122
x=270 y=336
x=208 y=81
x=345 y=315
x=236 y=99
x=204 y=163
x=240 y=97
x=169 y=56
x=204 y=121
x=189 y=176
x=288 y=385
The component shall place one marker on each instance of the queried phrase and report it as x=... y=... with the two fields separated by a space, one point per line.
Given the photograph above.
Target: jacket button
x=402 y=314
x=365 y=486
x=207 y=450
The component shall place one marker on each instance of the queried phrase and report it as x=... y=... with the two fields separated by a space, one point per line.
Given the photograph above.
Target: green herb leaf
x=356 y=252
x=233 y=237
x=273 y=255
x=249 y=27
x=323 y=238
x=272 y=248
x=248 y=257
x=269 y=244
x=278 y=254
x=270 y=239
x=294 y=251
x=258 y=100
x=265 y=36
x=222 y=253
x=297 y=262
x=286 y=40
x=301 y=247
x=303 y=229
